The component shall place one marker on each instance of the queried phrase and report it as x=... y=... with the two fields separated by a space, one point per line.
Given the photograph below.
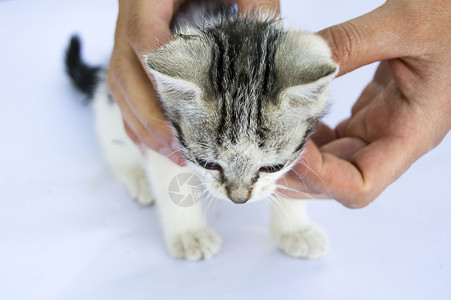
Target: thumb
x=372 y=37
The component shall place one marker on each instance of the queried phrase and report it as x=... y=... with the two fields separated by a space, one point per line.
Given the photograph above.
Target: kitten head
x=243 y=94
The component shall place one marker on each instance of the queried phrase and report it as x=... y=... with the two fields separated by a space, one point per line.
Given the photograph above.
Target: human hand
x=142 y=25
x=401 y=115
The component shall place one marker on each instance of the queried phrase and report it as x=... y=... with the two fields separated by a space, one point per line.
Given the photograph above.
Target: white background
x=68 y=230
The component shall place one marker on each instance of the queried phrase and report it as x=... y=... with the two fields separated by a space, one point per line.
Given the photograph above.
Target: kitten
x=242 y=94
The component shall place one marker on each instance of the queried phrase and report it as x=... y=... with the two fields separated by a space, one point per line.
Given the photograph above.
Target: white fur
x=293 y=231
x=186 y=232
x=122 y=155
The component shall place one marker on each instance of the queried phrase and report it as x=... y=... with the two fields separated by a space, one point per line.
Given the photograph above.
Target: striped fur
x=242 y=92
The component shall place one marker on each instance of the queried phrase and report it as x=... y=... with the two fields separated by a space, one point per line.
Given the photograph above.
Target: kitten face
x=242 y=94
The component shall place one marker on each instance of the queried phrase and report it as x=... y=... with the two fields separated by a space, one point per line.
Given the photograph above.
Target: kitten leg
x=293 y=231
x=185 y=229
x=135 y=180
x=122 y=155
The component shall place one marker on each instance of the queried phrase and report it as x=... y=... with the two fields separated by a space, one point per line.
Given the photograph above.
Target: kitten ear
x=179 y=69
x=175 y=92
x=186 y=57
x=315 y=91
x=305 y=70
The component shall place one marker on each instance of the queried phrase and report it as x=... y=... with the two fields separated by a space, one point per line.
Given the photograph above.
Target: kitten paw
x=310 y=242
x=138 y=187
x=203 y=243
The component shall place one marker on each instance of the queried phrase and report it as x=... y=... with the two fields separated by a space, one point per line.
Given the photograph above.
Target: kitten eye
x=271 y=169
x=208 y=165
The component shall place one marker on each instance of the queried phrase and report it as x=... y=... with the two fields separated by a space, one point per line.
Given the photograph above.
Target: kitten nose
x=238 y=195
x=239 y=200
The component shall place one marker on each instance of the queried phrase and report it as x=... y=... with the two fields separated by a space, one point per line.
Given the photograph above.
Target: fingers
x=148 y=126
x=372 y=37
x=375 y=89
x=323 y=134
x=131 y=133
x=330 y=175
x=140 y=97
x=290 y=187
x=340 y=130
x=265 y=5
x=392 y=126
x=344 y=148
x=129 y=84
x=352 y=172
x=156 y=134
x=132 y=125
x=148 y=23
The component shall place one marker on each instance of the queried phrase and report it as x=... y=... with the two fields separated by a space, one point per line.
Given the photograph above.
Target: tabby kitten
x=242 y=94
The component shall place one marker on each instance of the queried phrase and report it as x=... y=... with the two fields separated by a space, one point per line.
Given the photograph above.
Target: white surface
x=68 y=230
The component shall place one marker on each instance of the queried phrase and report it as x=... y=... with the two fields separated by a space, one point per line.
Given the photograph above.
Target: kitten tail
x=84 y=77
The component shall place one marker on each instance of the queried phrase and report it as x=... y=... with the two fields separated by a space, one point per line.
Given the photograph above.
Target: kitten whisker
x=299 y=177
x=293 y=190
x=305 y=163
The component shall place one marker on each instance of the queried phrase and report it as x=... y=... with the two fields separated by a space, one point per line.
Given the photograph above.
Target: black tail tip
x=84 y=77
x=74 y=47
